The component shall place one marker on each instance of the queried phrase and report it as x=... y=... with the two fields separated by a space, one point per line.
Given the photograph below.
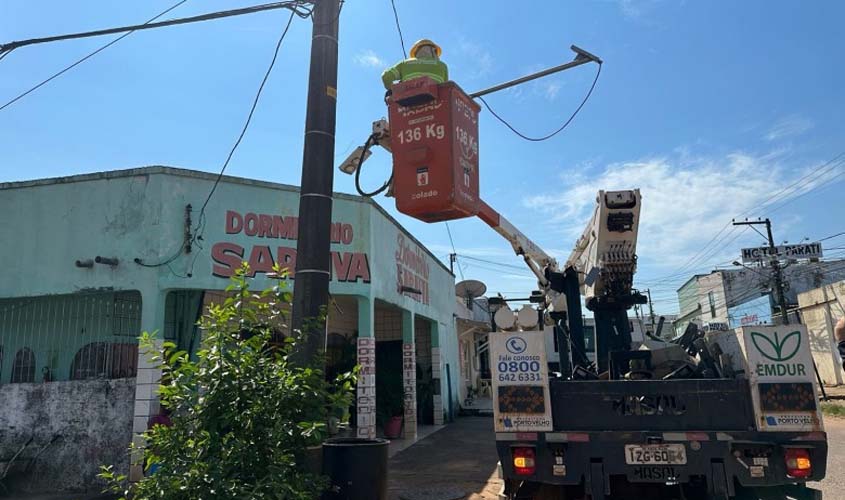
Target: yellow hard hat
x=425 y=41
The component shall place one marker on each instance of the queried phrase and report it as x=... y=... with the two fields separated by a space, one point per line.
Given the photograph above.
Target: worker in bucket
x=424 y=61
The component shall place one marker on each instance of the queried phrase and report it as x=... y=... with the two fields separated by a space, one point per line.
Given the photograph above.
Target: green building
x=90 y=261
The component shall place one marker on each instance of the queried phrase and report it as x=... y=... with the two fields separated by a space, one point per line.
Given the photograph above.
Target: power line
x=201 y=219
x=832 y=236
x=398 y=28
x=510 y=266
x=789 y=190
x=79 y=61
x=294 y=6
x=549 y=136
x=452 y=242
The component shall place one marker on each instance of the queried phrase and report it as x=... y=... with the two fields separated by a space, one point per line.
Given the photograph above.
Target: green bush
x=244 y=415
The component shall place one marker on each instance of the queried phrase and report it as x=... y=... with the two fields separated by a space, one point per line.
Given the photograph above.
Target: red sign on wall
x=411 y=270
x=227 y=256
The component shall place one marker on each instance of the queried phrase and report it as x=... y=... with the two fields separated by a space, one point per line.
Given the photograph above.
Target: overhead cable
x=81 y=60
x=295 y=6
x=562 y=127
x=201 y=218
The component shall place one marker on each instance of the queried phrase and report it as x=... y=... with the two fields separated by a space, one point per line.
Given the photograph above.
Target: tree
x=243 y=415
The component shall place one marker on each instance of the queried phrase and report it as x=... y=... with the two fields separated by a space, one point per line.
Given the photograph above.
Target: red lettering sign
x=412 y=271
x=227 y=256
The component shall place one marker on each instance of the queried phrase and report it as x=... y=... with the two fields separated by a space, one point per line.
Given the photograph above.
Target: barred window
x=23 y=369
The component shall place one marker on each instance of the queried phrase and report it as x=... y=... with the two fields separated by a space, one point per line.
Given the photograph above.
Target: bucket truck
x=726 y=415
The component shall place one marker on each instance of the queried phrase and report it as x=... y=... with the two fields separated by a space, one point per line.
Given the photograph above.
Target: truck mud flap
x=719 y=486
x=599 y=487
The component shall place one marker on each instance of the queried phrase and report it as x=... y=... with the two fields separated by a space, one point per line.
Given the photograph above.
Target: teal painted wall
x=140 y=214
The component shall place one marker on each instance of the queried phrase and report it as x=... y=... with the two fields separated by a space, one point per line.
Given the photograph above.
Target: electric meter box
x=435 y=150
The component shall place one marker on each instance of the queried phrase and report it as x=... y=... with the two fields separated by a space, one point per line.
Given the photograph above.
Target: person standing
x=839 y=333
x=424 y=61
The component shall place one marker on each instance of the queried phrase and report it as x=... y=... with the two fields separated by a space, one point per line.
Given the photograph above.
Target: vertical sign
x=367 y=388
x=520 y=382
x=783 y=383
x=409 y=381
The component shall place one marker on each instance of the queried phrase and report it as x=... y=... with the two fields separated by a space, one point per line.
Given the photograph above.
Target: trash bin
x=357 y=468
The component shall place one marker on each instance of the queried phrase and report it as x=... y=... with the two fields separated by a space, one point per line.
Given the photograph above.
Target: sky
x=714 y=110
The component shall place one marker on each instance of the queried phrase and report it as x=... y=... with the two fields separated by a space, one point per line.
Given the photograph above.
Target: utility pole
x=776 y=270
x=453 y=257
x=313 y=246
x=650 y=309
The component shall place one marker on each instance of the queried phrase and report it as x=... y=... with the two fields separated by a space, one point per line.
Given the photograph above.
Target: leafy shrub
x=244 y=414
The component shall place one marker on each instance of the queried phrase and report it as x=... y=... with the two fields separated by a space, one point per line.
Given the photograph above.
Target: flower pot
x=393 y=427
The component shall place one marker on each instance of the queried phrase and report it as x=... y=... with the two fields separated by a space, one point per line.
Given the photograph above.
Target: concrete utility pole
x=650 y=309
x=776 y=270
x=313 y=246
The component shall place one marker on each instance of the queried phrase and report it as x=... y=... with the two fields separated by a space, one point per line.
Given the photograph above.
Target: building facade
x=709 y=298
x=91 y=261
x=820 y=309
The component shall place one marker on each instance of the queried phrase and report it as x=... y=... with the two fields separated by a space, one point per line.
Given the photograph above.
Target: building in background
x=473 y=324
x=820 y=309
x=91 y=261
x=707 y=298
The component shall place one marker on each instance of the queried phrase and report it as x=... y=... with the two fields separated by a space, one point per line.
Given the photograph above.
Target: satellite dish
x=504 y=318
x=470 y=289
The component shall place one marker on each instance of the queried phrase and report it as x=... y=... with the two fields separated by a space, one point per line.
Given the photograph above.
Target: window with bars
x=70 y=337
x=23 y=369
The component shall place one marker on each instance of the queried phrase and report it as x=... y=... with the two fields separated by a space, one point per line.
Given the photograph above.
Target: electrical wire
x=200 y=228
x=81 y=60
x=705 y=252
x=831 y=236
x=548 y=136
x=510 y=266
x=371 y=140
x=398 y=28
x=294 y=6
x=452 y=242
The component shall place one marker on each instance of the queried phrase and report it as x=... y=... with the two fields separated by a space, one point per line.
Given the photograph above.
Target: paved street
x=461 y=458
x=833 y=485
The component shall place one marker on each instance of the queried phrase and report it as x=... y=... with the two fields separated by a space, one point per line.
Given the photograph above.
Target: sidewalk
x=458 y=461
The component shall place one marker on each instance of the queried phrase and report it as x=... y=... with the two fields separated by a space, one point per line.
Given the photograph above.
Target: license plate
x=655 y=454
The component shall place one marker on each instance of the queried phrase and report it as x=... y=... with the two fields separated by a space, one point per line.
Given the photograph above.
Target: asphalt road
x=833 y=485
x=462 y=457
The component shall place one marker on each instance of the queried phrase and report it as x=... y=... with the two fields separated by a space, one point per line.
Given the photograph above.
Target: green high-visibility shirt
x=415 y=68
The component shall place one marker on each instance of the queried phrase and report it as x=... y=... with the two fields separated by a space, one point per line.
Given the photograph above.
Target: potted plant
x=390 y=401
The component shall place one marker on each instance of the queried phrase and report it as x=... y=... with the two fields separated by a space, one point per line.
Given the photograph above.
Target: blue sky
x=710 y=108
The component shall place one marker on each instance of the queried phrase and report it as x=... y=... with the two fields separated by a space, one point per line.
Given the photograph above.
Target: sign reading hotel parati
x=520 y=382
x=782 y=377
x=802 y=251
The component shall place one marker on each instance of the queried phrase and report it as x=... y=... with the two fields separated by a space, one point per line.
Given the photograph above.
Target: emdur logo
x=776 y=348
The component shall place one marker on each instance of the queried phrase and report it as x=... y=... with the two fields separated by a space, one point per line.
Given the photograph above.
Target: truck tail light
x=523 y=460
x=798 y=462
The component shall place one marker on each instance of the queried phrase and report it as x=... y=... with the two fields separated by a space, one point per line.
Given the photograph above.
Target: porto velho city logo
x=780 y=350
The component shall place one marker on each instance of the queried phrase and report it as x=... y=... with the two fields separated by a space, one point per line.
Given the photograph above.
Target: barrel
x=357 y=468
